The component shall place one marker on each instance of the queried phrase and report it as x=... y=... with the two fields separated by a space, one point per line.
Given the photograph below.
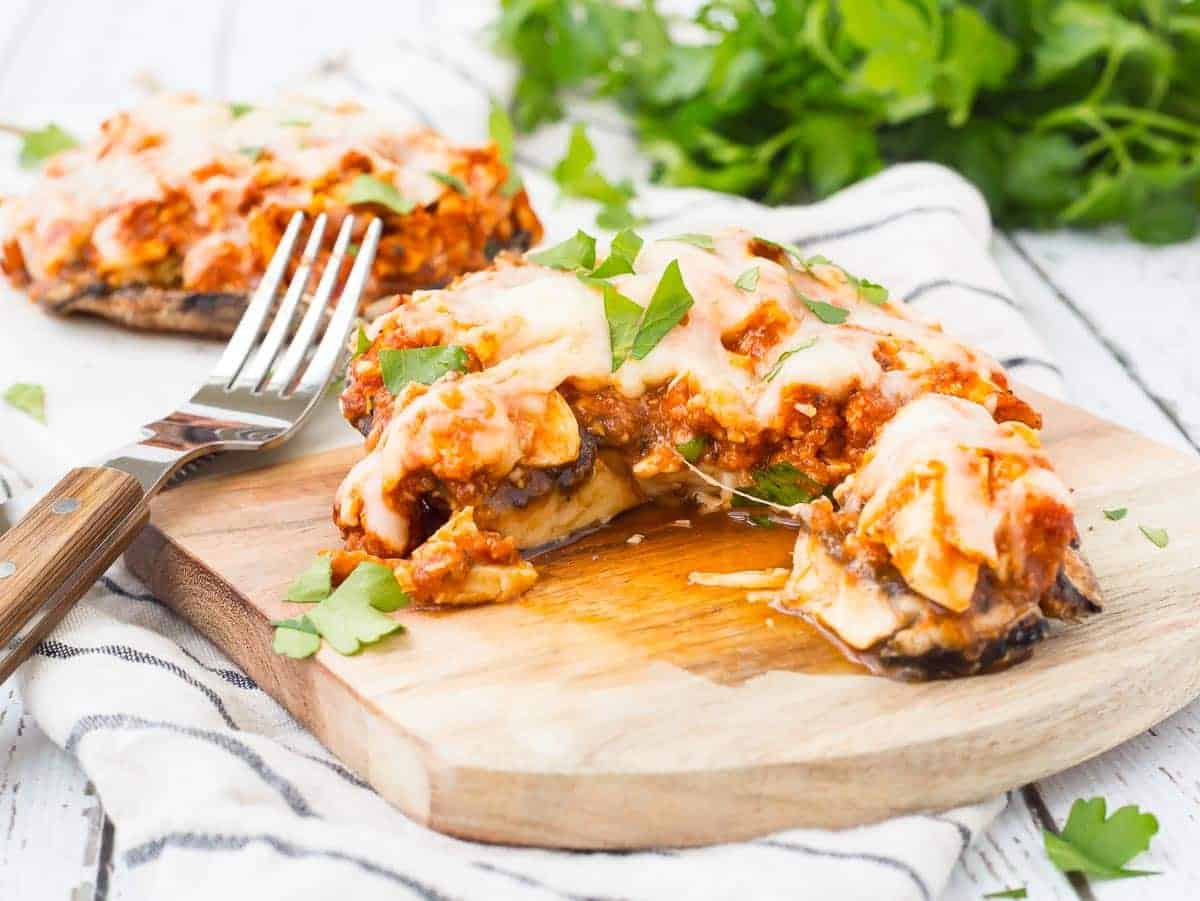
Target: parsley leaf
x=827 y=312
x=1018 y=892
x=297 y=638
x=38 y=145
x=361 y=342
x=254 y=153
x=28 y=398
x=577 y=176
x=1101 y=847
x=237 y=110
x=1157 y=537
x=783 y=484
x=667 y=307
x=369 y=189
x=624 y=316
x=748 y=280
x=420 y=364
x=450 y=181
x=314 y=584
x=577 y=252
x=704 y=242
x=621 y=255
x=783 y=357
x=693 y=449
x=354 y=614
x=870 y=291
x=500 y=129
x=1116 y=513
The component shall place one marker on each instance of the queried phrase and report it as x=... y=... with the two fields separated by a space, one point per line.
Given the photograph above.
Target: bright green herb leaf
x=295 y=123
x=1018 y=892
x=1157 y=537
x=353 y=615
x=1116 y=513
x=420 y=364
x=761 y=522
x=667 y=307
x=1101 y=847
x=621 y=255
x=577 y=252
x=827 y=312
x=314 y=584
x=748 y=280
x=297 y=638
x=783 y=484
x=704 y=242
x=28 y=398
x=692 y=449
x=450 y=181
x=615 y=216
x=362 y=343
x=817 y=260
x=783 y=358
x=500 y=128
x=254 y=153
x=237 y=110
x=624 y=316
x=577 y=176
x=369 y=189
x=791 y=250
x=870 y=291
x=40 y=144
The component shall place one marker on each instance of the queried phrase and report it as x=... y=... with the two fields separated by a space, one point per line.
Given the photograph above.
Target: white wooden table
x=1122 y=320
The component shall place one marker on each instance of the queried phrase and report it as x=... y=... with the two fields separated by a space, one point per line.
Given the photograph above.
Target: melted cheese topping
x=177 y=174
x=534 y=328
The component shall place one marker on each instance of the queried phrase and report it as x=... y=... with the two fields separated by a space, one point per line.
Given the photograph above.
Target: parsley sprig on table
x=1065 y=112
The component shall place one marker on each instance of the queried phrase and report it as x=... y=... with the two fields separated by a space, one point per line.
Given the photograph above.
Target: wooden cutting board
x=617 y=706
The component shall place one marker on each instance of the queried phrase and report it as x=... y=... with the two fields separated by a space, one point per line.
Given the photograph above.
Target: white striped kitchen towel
x=214 y=789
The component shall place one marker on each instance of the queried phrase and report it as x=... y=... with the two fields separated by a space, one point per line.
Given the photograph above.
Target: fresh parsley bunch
x=1063 y=112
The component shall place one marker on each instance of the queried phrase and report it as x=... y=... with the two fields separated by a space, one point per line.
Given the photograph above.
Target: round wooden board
x=616 y=706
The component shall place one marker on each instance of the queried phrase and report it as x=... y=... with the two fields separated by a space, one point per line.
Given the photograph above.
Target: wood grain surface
x=617 y=706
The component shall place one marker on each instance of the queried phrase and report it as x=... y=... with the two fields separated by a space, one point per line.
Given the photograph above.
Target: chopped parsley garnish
x=296 y=637
x=39 y=144
x=369 y=189
x=577 y=252
x=816 y=260
x=668 y=306
x=1157 y=537
x=789 y=249
x=314 y=584
x=500 y=129
x=827 y=312
x=28 y=398
x=296 y=123
x=621 y=255
x=577 y=176
x=237 y=110
x=361 y=342
x=254 y=153
x=748 y=280
x=450 y=181
x=1101 y=847
x=783 y=357
x=704 y=242
x=869 y=290
x=693 y=449
x=783 y=484
x=1018 y=892
x=420 y=364
x=624 y=316
x=1116 y=513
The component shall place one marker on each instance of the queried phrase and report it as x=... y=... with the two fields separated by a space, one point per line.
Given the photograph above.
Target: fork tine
x=329 y=351
x=256 y=311
x=256 y=370
x=294 y=355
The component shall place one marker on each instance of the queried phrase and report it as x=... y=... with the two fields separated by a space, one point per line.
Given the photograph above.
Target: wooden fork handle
x=52 y=556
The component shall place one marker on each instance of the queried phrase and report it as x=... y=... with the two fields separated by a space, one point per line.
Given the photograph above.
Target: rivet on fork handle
x=55 y=554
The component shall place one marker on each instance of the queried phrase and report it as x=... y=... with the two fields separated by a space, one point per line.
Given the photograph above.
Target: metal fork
x=254 y=399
